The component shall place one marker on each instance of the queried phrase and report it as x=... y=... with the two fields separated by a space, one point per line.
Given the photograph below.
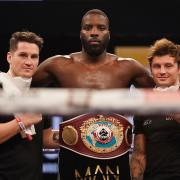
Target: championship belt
x=100 y=136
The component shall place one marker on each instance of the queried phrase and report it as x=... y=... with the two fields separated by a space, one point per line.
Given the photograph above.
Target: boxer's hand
x=30 y=119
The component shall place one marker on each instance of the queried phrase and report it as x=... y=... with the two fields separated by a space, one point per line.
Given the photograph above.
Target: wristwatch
x=56 y=137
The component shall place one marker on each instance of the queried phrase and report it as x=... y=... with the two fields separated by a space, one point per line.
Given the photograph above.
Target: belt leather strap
x=100 y=136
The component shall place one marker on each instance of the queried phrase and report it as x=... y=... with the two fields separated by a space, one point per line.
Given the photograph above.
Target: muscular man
x=21 y=134
x=92 y=67
x=156 y=152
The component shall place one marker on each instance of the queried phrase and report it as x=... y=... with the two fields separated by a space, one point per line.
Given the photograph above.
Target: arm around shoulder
x=143 y=78
x=42 y=75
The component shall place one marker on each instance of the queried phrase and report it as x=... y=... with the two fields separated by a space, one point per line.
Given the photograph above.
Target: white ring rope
x=74 y=101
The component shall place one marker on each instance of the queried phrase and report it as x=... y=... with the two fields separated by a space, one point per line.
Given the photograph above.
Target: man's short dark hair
x=25 y=36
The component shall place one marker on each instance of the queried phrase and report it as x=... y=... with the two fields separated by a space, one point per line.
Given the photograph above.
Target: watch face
x=56 y=137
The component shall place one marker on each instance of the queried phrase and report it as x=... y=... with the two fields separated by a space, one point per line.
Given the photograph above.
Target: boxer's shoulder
x=126 y=60
x=129 y=63
x=76 y=56
x=57 y=59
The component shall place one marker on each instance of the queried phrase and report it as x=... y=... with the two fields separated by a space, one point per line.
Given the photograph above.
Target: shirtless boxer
x=92 y=67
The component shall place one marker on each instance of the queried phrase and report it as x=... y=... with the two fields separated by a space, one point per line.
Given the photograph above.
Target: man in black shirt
x=21 y=134
x=156 y=154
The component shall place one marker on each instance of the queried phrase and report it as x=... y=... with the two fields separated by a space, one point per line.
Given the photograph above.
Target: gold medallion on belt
x=70 y=135
x=102 y=134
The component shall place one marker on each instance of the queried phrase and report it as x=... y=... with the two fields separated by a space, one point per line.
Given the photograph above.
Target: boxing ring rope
x=65 y=101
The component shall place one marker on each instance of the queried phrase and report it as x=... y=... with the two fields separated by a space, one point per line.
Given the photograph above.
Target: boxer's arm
x=42 y=75
x=50 y=139
x=138 y=159
x=143 y=78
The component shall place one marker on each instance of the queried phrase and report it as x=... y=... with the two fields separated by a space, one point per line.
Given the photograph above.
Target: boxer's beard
x=95 y=50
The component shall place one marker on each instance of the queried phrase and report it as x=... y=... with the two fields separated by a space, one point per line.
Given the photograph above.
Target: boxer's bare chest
x=102 y=77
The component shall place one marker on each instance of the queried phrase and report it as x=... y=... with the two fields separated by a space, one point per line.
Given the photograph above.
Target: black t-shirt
x=162 y=135
x=21 y=159
x=73 y=166
x=76 y=167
